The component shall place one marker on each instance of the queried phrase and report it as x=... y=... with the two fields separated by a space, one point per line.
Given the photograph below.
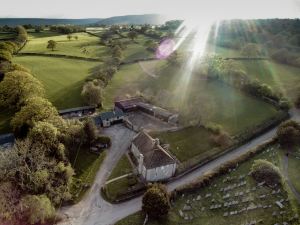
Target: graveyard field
x=86 y=166
x=62 y=78
x=234 y=198
x=87 y=45
x=293 y=169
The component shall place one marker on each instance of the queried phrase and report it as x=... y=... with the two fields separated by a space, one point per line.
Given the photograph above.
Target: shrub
x=264 y=171
x=92 y=94
x=156 y=201
x=103 y=140
x=288 y=133
x=214 y=128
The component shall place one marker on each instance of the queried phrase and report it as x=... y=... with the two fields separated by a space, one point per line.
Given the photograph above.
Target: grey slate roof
x=154 y=154
x=64 y=111
x=7 y=138
x=111 y=114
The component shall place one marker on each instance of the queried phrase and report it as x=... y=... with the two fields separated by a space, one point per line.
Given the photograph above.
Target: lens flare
x=165 y=49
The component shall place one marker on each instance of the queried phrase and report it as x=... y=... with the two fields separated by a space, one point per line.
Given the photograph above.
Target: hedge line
x=60 y=56
x=247 y=135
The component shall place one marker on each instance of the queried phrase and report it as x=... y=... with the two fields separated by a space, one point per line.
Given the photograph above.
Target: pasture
x=117 y=187
x=87 y=46
x=62 y=78
x=86 y=166
x=234 y=198
x=195 y=99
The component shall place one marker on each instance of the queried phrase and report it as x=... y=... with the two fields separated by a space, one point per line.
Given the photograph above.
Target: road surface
x=94 y=210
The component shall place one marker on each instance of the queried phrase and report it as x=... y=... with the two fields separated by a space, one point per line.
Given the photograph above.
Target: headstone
x=181 y=213
x=279 y=204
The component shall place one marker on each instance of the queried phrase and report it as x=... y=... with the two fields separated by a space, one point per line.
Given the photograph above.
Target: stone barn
x=154 y=163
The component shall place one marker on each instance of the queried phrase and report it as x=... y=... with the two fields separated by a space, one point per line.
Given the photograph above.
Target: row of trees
x=67 y=29
x=231 y=72
x=8 y=48
x=36 y=174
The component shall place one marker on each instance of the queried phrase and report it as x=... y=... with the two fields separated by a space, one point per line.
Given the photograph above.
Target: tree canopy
x=17 y=87
x=156 y=202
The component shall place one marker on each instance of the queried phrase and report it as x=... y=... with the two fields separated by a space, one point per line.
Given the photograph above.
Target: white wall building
x=153 y=162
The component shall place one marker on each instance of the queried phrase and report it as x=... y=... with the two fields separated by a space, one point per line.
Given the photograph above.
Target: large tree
x=156 y=202
x=17 y=87
x=37 y=208
x=251 y=50
x=92 y=94
x=35 y=109
x=132 y=35
x=288 y=133
x=264 y=171
x=52 y=44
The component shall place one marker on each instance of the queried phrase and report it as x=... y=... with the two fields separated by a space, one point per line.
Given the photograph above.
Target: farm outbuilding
x=77 y=112
x=106 y=119
x=128 y=105
x=7 y=141
x=135 y=104
x=154 y=163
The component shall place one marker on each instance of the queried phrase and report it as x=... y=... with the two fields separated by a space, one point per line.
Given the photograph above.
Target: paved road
x=93 y=210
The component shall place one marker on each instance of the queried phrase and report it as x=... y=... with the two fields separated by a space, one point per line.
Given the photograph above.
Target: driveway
x=93 y=210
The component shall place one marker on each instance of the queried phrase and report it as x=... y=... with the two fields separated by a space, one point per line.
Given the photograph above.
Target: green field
x=201 y=213
x=115 y=188
x=86 y=166
x=37 y=43
x=195 y=99
x=62 y=78
x=7 y=35
x=136 y=49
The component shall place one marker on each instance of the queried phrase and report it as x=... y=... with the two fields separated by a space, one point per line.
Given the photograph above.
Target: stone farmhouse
x=153 y=162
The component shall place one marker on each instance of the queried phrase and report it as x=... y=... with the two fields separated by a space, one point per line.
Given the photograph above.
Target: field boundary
x=59 y=56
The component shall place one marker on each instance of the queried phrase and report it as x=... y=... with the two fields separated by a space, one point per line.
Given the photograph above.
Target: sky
x=192 y=9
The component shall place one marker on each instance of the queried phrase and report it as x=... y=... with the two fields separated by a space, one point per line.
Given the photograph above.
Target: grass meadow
x=62 y=78
x=86 y=46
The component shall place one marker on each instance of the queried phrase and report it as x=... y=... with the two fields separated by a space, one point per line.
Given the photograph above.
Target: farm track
x=94 y=210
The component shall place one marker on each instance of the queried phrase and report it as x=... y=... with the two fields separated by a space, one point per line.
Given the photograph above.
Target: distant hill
x=134 y=19
x=44 y=21
x=129 y=19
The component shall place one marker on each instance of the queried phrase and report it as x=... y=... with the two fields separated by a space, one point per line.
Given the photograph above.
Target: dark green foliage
x=264 y=171
x=156 y=202
x=90 y=131
x=52 y=44
x=5 y=55
x=17 y=87
x=104 y=140
x=288 y=133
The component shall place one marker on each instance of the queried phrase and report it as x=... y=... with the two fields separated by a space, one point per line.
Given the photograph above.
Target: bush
x=288 y=133
x=156 y=201
x=214 y=128
x=103 y=140
x=264 y=171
